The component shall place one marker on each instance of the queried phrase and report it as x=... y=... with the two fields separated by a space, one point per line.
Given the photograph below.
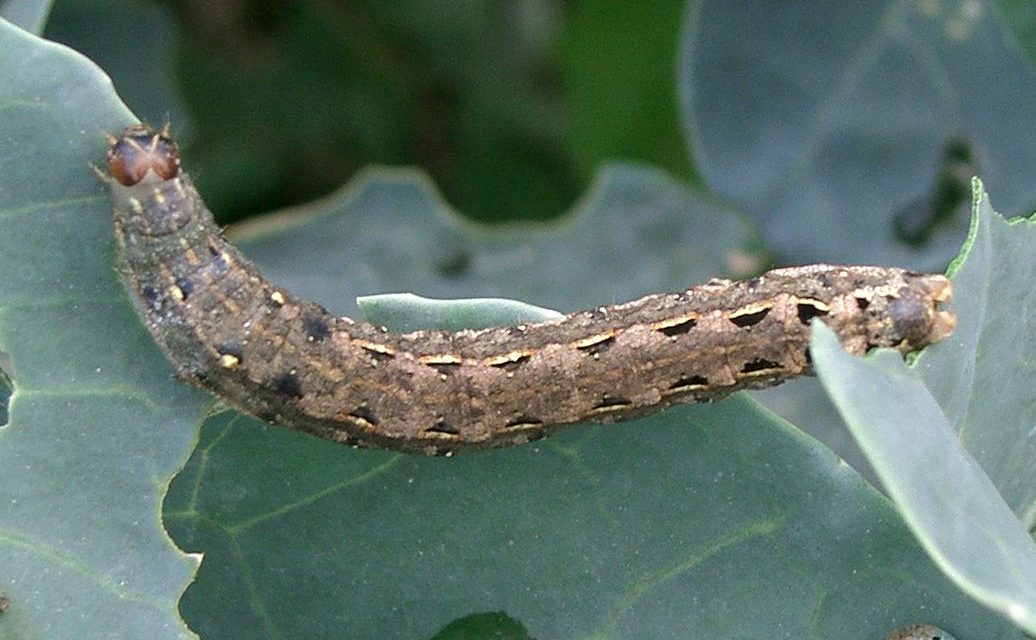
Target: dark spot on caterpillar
x=192 y=374
x=288 y=383
x=862 y=303
x=441 y=426
x=230 y=349
x=364 y=413
x=678 y=328
x=761 y=364
x=315 y=326
x=230 y=355
x=689 y=382
x=523 y=422
x=809 y=309
x=268 y=414
x=533 y=436
x=140 y=150
x=749 y=318
x=611 y=404
x=598 y=314
x=753 y=284
x=150 y=296
x=218 y=262
x=809 y=355
x=517 y=330
x=594 y=345
x=185 y=286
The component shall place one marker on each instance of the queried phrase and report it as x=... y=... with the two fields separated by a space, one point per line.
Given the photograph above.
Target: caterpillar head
x=140 y=149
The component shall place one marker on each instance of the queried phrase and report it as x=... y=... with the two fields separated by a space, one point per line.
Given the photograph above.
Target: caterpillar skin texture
x=288 y=361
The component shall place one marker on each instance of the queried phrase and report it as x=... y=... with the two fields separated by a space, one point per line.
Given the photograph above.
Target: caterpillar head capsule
x=140 y=149
x=917 y=313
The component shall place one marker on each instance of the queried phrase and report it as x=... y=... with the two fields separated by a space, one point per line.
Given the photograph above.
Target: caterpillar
x=287 y=361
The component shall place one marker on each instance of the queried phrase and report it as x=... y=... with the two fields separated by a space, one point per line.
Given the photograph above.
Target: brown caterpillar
x=288 y=361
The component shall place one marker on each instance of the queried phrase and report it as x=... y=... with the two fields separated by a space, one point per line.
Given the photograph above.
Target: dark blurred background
x=510 y=105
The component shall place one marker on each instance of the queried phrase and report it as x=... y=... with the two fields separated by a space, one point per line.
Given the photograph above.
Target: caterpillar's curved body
x=290 y=362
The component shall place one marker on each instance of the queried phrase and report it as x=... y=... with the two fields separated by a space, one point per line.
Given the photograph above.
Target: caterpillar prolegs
x=288 y=361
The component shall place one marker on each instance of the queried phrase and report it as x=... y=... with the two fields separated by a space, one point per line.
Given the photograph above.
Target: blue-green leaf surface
x=982 y=377
x=704 y=520
x=944 y=495
x=951 y=438
x=30 y=15
x=829 y=122
x=96 y=427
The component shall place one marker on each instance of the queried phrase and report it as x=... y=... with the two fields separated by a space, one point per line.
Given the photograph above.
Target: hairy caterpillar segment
x=288 y=361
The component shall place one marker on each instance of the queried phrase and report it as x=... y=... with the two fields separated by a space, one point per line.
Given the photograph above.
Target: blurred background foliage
x=510 y=105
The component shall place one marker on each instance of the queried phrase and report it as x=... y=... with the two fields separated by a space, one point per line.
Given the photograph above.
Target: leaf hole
x=6 y=388
x=916 y=222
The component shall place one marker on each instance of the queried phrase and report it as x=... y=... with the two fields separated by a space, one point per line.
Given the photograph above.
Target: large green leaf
x=950 y=503
x=981 y=379
x=664 y=527
x=832 y=121
x=712 y=520
x=958 y=494
x=95 y=429
x=1020 y=16
x=135 y=44
x=706 y=521
x=30 y=15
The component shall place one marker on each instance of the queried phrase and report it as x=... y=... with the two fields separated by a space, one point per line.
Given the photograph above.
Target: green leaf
x=618 y=65
x=135 y=43
x=958 y=495
x=96 y=427
x=706 y=520
x=636 y=232
x=980 y=376
x=845 y=121
x=404 y=312
x=1020 y=16
x=30 y=15
x=666 y=527
x=715 y=520
x=947 y=500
